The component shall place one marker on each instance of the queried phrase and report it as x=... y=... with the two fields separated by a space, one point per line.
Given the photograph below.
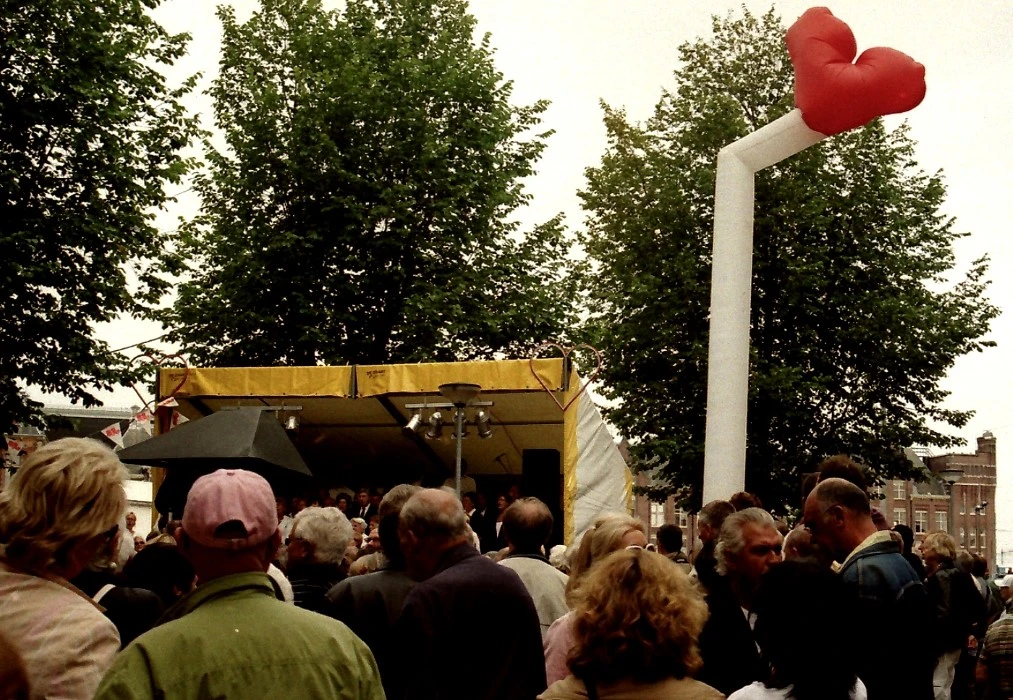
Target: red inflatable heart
x=835 y=94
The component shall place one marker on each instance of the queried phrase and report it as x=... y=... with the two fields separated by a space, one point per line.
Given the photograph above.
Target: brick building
x=966 y=509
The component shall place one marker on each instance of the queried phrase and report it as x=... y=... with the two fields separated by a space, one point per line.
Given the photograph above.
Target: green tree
x=90 y=136
x=857 y=309
x=360 y=210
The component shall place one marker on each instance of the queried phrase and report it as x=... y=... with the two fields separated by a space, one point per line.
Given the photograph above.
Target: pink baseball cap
x=230 y=509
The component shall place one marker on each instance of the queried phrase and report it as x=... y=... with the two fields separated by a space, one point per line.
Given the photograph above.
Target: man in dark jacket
x=371 y=604
x=885 y=590
x=458 y=586
x=747 y=546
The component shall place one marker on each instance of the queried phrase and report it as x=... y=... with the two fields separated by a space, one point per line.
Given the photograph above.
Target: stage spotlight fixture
x=292 y=424
x=413 y=423
x=482 y=425
x=435 y=426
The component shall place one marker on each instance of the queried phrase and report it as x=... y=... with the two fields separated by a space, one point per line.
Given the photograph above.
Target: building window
x=657 y=514
x=981 y=541
x=974 y=542
x=921 y=521
x=963 y=539
x=941 y=521
x=898 y=490
x=963 y=503
x=900 y=516
x=682 y=518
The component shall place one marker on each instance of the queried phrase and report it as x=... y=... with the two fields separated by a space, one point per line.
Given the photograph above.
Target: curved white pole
x=724 y=470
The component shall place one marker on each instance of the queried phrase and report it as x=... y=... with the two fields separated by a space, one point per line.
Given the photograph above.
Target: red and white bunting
x=178 y=419
x=143 y=421
x=113 y=433
x=14 y=446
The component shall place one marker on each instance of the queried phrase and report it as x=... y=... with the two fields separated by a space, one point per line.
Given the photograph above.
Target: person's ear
x=836 y=515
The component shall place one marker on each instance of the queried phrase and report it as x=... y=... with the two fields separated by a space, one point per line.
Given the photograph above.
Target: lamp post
x=950 y=476
x=461 y=396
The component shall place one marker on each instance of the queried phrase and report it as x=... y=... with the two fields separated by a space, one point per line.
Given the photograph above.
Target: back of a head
x=65 y=493
x=714 y=513
x=731 y=540
x=744 y=499
x=527 y=525
x=162 y=569
x=842 y=467
x=434 y=515
x=907 y=535
x=390 y=515
x=636 y=616
x=839 y=492
x=965 y=561
x=670 y=538
x=794 y=601
x=327 y=529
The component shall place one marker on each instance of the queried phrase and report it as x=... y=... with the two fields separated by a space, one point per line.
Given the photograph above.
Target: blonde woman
x=611 y=532
x=960 y=609
x=636 y=622
x=59 y=511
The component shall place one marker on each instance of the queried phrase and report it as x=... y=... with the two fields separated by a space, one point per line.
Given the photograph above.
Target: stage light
x=435 y=426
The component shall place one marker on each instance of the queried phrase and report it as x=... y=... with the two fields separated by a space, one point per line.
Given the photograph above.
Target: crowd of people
x=416 y=593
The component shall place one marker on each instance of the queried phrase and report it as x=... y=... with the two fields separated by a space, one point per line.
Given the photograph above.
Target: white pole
x=731 y=284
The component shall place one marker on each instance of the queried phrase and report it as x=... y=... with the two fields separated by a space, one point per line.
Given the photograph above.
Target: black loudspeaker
x=542 y=477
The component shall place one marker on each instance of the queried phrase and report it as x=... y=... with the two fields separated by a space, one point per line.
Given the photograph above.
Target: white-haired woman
x=316 y=554
x=62 y=507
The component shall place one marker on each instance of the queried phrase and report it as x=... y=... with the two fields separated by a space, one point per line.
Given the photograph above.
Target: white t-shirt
x=758 y=691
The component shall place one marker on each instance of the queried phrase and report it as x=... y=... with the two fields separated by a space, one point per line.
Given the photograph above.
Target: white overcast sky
x=576 y=52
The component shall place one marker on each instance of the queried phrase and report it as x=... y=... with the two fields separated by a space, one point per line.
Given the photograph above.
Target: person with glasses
x=748 y=545
x=886 y=590
x=60 y=510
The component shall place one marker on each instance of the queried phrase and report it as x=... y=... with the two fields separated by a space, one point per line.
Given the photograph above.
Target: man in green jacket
x=231 y=637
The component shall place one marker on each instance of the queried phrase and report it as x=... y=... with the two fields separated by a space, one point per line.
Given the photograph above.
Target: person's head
x=965 y=561
x=298 y=503
x=163 y=569
x=230 y=524
x=907 y=536
x=481 y=502
x=341 y=503
x=527 y=525
x=376 y=497
x=390 y=515
x=358 y=529
x=669 y=539
x=710 y=518
x=638 y=617
x=319 y=536
x=432 y=521
x=794 y=602
x=513 y=493
x=131 y=520
x=63 y=506
x=502 y=503
x=362 y=497
x=1006 y=587
x=979 y=567
x=611 y=532
x=747 y=546
x=838 y=515
x=281 y=507
x=938 y=550
x=558 y=558
x=798 y=544
x=744 y=499
x=842 y=467
x=468 y=501
x=138 y=543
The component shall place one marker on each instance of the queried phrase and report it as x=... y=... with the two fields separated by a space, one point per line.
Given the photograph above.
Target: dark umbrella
x=242 y=438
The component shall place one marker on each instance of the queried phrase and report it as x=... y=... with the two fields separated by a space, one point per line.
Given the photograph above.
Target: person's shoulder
x=569 y=688
x=757 y=691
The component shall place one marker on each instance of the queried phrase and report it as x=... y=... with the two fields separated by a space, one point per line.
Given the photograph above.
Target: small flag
x=171 y=401
x=178 y=419
x=113 y=433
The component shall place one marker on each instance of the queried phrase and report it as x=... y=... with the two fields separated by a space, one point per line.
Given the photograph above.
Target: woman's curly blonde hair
x=637 y=616
x=65 y=492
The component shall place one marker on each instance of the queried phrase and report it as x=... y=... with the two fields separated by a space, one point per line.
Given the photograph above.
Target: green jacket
x=231 y=638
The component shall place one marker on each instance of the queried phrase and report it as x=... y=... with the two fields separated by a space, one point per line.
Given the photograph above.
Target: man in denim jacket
x=896 y=660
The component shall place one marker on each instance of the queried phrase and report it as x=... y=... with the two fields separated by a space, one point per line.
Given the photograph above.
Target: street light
x=461 y=396
x=950 y=476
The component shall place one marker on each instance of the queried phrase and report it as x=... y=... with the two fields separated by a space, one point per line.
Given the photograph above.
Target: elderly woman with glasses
x=58 y=512
x=636 y=621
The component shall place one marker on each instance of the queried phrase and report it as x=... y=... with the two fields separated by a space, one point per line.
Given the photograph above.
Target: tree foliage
x=360 y=209
x=90 y=134
x=857 y=308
